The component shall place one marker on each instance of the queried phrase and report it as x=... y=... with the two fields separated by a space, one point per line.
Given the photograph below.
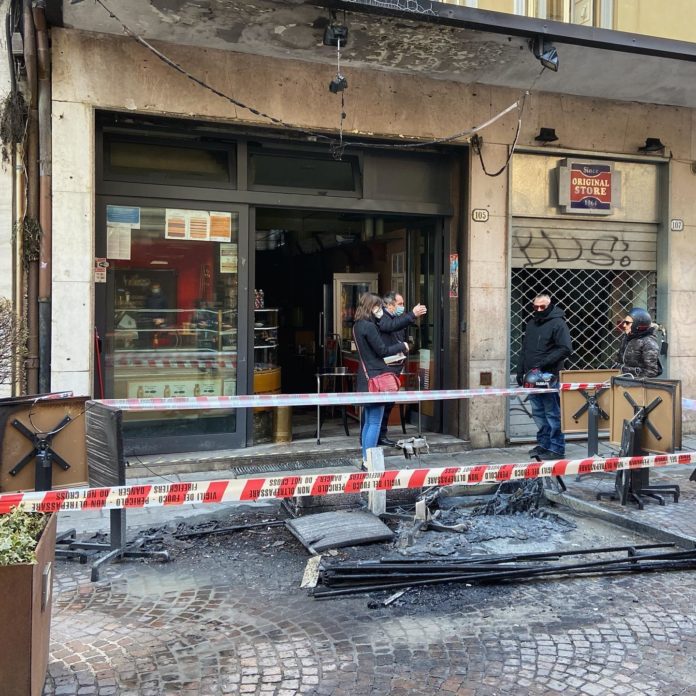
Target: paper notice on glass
x=123 y=215
x=118 y=242
x=228 y=258
x=176 y=226
x=198 y=225
x=220 y=227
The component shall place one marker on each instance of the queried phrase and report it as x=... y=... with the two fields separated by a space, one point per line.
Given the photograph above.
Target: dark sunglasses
x=539 y=306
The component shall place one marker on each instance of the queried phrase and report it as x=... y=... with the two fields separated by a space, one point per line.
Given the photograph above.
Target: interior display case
x=267 y=372
x=347 y=289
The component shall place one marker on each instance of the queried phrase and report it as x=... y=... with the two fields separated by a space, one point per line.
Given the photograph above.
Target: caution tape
x=180 y=403
x=255 y=489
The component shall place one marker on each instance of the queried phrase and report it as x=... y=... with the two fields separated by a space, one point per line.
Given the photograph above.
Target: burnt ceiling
x=422 y=44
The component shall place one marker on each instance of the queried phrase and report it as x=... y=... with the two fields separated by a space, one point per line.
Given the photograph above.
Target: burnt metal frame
x=594 y=413
x=634 y=485
x=68 y=546
x=42 y=452
x=109 y=435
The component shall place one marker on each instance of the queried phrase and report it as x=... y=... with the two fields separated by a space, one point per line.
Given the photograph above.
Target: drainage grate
x=292 y=466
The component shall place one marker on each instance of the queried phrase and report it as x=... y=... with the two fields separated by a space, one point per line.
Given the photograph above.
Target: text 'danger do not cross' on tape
x=292 y=486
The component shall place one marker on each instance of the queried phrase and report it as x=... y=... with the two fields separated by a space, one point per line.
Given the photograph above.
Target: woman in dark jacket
x=371 y=350
x=639 y=354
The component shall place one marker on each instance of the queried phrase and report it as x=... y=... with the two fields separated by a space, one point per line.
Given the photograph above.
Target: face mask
x=400 y=311
x=378 y=312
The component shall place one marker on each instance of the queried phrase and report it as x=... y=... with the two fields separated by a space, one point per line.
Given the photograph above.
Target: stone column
x=73 y=247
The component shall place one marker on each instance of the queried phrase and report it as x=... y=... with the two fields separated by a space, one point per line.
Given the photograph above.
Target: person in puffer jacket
x=546 y=345
x=639 y=353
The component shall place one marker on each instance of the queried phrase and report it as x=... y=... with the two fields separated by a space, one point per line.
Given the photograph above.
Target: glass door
x=424 y=283
x=347 y=290
x=168 y=316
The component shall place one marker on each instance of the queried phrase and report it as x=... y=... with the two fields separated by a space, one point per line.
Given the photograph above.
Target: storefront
x=587 y=230
x=222 y=253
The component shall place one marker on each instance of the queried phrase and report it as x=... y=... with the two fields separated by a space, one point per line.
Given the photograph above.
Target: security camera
x=338 y=84
x=334 y=33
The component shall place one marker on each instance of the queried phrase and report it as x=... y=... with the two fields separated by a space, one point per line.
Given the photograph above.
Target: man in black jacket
x=546 y=345
x=393 y=326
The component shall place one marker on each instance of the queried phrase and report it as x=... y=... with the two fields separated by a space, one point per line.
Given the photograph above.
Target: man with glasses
x=393 y=327
x=545 y=346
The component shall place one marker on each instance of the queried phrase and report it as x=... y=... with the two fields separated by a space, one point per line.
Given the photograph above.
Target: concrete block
x=376 y=500
x=73 y=146
x=78 y=382
x=488 y=241
x=487 y=323
x=682 y=321
x=72 y=327
x=681 y=264
x=73 y=225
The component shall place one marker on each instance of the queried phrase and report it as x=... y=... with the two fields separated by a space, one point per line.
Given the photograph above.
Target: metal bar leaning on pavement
x=278 y=487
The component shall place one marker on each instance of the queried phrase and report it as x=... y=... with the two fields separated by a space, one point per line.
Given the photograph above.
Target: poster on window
x=175 y=226
x=454 y=275
x=228 y=258
x=220 y=227
x=193 y=225
x=118 y=242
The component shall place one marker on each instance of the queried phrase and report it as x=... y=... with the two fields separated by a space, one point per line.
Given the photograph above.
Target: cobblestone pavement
x=227 y=617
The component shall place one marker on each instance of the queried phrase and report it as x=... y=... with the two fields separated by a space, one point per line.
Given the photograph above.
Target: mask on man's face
x=399 y=310
x=378 y=312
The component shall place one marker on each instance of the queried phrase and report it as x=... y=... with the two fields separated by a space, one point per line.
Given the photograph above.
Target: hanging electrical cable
x=337 y=85
x=477 y=143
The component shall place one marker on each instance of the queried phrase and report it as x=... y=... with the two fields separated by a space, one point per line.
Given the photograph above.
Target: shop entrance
x=190 y=219
x=310 y=268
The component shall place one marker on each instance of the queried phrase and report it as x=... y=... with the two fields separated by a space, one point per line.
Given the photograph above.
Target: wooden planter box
x=26 y=592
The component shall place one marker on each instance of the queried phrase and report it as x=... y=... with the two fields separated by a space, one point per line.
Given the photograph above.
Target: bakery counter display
x=175 y=330
x=164 y=374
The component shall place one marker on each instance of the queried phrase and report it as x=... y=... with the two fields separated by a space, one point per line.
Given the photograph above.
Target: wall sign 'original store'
x=588 y=187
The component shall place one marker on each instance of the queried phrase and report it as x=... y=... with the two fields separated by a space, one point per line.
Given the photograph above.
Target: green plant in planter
x=19 y=535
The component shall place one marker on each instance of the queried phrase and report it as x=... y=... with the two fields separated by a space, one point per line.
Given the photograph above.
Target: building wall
x=93 y=71
x=6 y=198
x=670 y=20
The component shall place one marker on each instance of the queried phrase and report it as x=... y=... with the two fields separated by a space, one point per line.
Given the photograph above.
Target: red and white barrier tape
x=180 y=403
x=254 y=489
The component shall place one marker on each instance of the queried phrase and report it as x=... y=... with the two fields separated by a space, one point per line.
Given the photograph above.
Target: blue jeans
x=546 y=412
x=372 y=420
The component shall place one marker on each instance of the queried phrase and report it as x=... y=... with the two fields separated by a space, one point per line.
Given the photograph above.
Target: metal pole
x=45 y=199
x=592 y=427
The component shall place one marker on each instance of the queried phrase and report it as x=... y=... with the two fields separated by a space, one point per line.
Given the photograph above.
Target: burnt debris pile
x=514 y=497
x=338 y=578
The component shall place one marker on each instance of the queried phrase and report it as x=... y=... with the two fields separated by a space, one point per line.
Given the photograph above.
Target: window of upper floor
x=667 y=20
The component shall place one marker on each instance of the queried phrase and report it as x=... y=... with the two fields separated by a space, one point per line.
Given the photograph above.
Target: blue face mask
x=400 y=311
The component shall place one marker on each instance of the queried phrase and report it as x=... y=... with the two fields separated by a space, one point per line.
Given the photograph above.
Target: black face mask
x=539 y=316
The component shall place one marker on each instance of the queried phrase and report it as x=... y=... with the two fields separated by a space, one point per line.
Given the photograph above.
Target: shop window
x=173 y=327
x=296 y=170
x=132 y=160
